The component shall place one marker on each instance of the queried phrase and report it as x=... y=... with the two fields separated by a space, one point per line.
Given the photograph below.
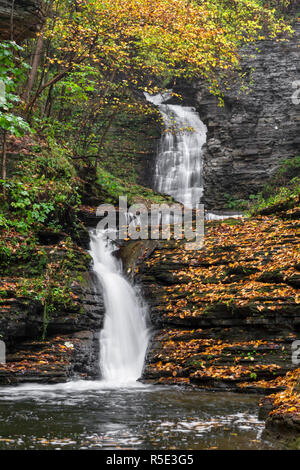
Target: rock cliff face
x=71 y=348
x=225 y=316
x=257 y=127
x=26 y=16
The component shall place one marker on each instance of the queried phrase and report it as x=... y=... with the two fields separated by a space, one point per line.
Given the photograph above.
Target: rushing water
x=125 y=335
x=87 y=415
x=178 y=170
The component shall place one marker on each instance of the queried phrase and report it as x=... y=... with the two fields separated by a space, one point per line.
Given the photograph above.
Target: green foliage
x=44 y=274
x=12 y=72
x=78 y=85
x=288 y=170
x=253 y=375
x=131 y=143
x=45 y=194
x=111 y=185
x=25 y=258
x=115 y=188
x=235 y=203
x=284 y=186
x=22 y=203
x=282 y=195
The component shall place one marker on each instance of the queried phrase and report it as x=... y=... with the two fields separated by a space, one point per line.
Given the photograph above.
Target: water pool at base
x=140 y=417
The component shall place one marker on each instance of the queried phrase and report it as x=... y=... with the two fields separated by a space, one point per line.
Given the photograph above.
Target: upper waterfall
x=178 y=168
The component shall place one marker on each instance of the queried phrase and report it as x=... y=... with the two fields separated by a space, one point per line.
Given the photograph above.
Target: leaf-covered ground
x=39 y=361
x=226 y=316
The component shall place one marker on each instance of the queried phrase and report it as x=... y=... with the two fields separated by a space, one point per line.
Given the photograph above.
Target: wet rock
x=293 y=280
x=85 y=360
x=283 y=424
x=24 y=321
x=258 y=126
x=238 y=340
x=54 y=360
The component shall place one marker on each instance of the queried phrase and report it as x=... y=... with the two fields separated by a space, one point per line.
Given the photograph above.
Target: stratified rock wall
x=225 y=316
x=27 y=18
x=258 y=126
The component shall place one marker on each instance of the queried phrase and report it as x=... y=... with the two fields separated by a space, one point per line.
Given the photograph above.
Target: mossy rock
x=194 y=362
x=241 y=270
x=275 y=276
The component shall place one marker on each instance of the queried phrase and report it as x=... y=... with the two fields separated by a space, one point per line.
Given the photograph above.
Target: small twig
x=12 y=20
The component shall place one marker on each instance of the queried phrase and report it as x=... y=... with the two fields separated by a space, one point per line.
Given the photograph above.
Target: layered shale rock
x=20 y=19
x=225 y=316
x=258 y=126
x=68 y=315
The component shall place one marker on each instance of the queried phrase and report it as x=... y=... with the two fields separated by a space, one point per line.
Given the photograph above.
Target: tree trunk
x=48 y=105
x=12 y=20
x=35 y=63
x=111 y=120
x=62 y=104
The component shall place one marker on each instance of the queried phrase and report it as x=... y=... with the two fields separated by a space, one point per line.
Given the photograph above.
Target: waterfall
x=178 y=170
x=124 y=337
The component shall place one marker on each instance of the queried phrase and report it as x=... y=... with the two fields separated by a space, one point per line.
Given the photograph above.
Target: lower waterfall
x=125 y=334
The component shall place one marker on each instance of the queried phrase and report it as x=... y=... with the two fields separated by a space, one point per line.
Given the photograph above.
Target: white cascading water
x=125 y=335
x=178 y=170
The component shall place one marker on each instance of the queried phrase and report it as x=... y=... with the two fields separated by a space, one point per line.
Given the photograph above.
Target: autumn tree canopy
x=135 y=39
x=94 y=58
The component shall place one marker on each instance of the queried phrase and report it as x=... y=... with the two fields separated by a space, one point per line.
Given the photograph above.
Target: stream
x=87 y=415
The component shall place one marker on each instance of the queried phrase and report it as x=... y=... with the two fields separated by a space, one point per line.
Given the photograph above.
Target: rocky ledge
x=225 y=317
x=51 y=310
x=283 y=407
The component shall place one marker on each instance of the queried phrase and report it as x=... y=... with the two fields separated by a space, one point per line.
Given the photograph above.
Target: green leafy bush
x=284 y=185
x=42 y=191
x=134 y=192
x=12 y=71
